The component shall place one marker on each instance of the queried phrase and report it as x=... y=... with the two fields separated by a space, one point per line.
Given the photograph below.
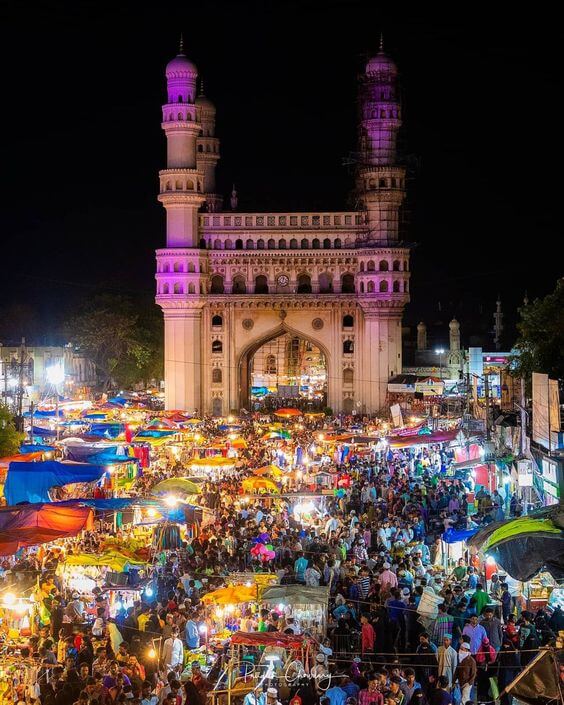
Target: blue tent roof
x=43 y=432
x=36 y=448
x=456 y=535
x=31 y=482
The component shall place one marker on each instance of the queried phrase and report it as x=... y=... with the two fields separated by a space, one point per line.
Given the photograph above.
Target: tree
x=122 y=338
x=10 y=439
x=541 y=337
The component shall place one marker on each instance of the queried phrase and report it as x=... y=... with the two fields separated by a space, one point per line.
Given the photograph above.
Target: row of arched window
x=178 y=267
x=180 y=99
x=381 y=114
x=272 y=244
x=217 y=321
x=182 y=186
x=384 y=266
x=383 y=286
x=304 y=286
x=175 y=117
x=383 y=183
x=178 y=288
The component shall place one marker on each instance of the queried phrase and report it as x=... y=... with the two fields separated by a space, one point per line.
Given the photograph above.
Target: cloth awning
x=30 y=526
x=455 y=535
x=31 y=482
x=286 y=641
x=296 y=594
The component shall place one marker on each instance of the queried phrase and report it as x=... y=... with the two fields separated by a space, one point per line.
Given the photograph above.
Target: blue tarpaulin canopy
x=456 y=535
x=109 y=430
x=43 y=414
x=43 y=432
x=31 y=482
x=36 y=448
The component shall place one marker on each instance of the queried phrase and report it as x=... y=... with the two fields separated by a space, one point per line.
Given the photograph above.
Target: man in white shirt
x=173 y=653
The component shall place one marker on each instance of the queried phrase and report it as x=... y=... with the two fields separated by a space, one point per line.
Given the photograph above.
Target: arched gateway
x=230 y=283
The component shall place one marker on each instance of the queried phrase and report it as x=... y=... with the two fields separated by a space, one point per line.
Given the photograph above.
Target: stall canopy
x=253 y=484
x=176 y=484
x=423 y=439
x=287 y=413
x=234 y=595
x=272 y=470
x=457 y=535
x=295 y=594
x=31 y=482
x=112 y=559
x=286 y=641
x=33 y=525
x=525 y=546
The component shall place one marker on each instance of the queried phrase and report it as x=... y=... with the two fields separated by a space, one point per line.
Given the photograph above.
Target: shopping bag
x=494 y=689
x=456 y=695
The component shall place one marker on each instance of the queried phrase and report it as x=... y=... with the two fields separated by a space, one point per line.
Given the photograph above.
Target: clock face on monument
x=282 y=280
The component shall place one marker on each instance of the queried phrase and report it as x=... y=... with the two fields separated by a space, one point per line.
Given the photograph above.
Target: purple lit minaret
x=383 y=262
x=182 y=266
x=380 y=179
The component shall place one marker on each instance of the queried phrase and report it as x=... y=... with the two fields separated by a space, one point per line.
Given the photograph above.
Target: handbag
x=494 y=689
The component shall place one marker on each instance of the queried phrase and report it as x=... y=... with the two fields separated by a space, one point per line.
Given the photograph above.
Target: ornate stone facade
x=229 y=282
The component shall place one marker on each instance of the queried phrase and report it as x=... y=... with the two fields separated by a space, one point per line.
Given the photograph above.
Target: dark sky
x=83 y=83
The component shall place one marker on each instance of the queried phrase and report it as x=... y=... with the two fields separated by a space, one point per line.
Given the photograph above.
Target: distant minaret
x=380 y=180
x=421 y=336
x=207 y=144
x=234 y=199
x=454 y=335
x=498 y=324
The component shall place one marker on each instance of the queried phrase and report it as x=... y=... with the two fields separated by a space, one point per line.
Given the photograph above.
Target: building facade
x=229 y=283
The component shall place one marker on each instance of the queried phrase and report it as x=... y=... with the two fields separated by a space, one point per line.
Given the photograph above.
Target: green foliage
x=10 y=439
x=541 y=337
x=123 y=338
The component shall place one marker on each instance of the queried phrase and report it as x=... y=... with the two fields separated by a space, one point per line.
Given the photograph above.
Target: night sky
x=83 y=84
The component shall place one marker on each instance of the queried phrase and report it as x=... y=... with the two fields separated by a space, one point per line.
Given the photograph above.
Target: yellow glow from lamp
x=171 y=501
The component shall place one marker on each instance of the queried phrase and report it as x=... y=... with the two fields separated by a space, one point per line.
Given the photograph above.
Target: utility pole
x=19 y=404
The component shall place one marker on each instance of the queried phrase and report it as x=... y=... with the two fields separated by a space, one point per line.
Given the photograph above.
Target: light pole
x=440 y=352
x=55 y=376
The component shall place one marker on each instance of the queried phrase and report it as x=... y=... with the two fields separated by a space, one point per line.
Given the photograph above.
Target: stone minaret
x=181 y=266
x=381 y=181
x=498 y=324
x=382 y=280
x=207 y=154
x=421 y=336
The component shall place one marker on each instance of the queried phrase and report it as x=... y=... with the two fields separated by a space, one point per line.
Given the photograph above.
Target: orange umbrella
x=272 y=470
x=287 y=413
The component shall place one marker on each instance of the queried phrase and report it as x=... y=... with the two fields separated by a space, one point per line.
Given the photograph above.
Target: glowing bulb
x=9 y=599
x=203 y=629
x=230 y=419
x=149 y=591
x=152 y=512
x=230 y=609
x=152 y=653
x=248 y=583
x=171 y=501
x=118 y=605
x=281 y=606
x=321 y=437
x=490 y=560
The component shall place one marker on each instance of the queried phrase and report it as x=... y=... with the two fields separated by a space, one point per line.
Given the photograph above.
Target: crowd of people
x=376 y=546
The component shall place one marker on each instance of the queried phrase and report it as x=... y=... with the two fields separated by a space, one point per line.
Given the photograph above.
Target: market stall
x=307 y=605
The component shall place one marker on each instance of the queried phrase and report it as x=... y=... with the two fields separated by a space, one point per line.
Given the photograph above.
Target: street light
x=55 y=376
x=440 y=352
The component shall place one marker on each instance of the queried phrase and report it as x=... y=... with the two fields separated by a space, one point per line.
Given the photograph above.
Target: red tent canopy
x=40 y=523
x=286 y=641
x=424 y=439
